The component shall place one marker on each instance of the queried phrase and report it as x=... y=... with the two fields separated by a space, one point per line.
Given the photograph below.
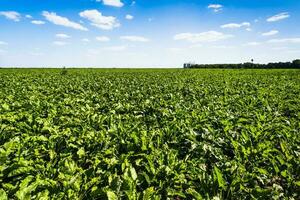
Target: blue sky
x=147 y=33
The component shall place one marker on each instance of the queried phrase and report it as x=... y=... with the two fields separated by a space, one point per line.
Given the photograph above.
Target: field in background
x=149 y=134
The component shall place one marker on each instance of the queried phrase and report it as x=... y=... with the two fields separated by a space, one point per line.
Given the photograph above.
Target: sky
x=147 y=33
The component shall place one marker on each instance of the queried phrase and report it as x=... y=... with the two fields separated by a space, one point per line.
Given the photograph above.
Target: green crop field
x=149 y=134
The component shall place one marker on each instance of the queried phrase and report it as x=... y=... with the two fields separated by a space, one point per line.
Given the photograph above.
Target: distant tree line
x=249 y=65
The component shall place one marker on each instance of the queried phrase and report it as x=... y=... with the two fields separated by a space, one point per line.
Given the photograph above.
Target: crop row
x=149 y=134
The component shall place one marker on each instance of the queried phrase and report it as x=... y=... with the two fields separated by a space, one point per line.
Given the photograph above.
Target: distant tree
x=64 y=71
x=251 y=65
x=296 y=63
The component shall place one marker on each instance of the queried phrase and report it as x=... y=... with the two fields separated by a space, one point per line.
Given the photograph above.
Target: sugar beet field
x=149 y=134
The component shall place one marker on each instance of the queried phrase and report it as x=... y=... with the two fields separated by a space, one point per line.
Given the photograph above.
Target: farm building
x=187 y=65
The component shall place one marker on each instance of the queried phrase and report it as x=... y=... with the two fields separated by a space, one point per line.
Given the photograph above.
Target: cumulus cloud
x=209 y=36
x=234 y=25
x=11 y=15
x=270 y=33
x=85 y=40
x=129 y=17
x=278 y=17
x=134 y=38
x=252 y=44
x=28 y=16
x=215 y=7
x=100 y=21
x=285 y=40
x=103 y=39
x=62 y=21
x=62 y=36
x=59 y=43
x=114 y=3
x=3 y=43
x=37 y=22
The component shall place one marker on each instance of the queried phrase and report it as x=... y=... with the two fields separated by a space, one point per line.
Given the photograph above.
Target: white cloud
x=114 y=3
x=3 y=43
x=62 y=21
x=248 y=29
x=285 y=40
x=270 y=33
x=278 y=17
x=85 y=40
x=234 y=25
x=12 y=15
x=134 y=38
x=116 y=48
x=215 y=7
x=28 y=16
x=62 y=36
x=209 y=36
x=129 y=17
x=98 y=20
x=59 y=43
x=103 y=39
x=37 y=22
x=252 y=44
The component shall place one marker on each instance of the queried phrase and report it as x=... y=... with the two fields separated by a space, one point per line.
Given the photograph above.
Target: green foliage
x=296 y=63
x=149 y=134
x=250 y=65
x=64 y=71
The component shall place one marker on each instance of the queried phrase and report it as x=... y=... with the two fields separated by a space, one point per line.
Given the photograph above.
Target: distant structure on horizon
x=188 y=65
